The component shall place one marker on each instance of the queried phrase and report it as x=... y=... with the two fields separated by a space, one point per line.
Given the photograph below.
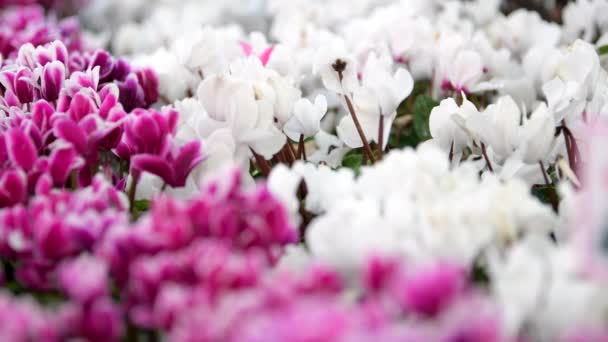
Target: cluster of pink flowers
x=69 y=113
x=28 y=24
x=74 y=242
x=395 y=303
x=75 y=123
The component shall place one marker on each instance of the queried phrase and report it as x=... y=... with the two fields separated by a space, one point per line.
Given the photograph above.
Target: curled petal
x=189 y=157
x=155 y=165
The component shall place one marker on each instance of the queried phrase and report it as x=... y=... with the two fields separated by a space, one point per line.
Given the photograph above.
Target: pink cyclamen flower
x=174 y=167
x=84 y=279
x=148 y=132
x=428 y=291
x=264 y=56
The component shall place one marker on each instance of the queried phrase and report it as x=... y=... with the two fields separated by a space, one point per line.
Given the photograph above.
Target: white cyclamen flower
x=306 y=119
x=445 y=123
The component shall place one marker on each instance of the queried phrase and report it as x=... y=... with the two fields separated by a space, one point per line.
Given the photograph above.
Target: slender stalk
x=381 y=137
x=366 y=147
x=485 y=156
x=283 y=157
x=74 y=180
x=552 y=194
x=300 y=146
x=262 y=163
x=132 y=190
x=292 y=153
x=304 y=154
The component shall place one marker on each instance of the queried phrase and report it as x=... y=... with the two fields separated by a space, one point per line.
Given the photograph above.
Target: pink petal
x=155 y=165
x=69 y=131
x=41 y=114
x=189 y=157
x=13 y=188
x=265 y=56
x=53 y=77
x=21 y=149
x=62 y=162
x=247 y=48
x=80 y=106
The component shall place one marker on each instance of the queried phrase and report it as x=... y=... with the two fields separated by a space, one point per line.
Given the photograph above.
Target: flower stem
x=292 y=153
x=262 y=163
x=381 y=138
x=132 y=190
x=366 y=147
x=485 y=156
x=301 y=148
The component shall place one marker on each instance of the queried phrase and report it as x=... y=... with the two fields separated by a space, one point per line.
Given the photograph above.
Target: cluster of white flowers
x=432 y=212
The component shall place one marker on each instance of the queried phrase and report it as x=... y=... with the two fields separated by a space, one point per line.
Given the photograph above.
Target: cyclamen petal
x=13 y=188
x=149 y=83
x=80 y=106
x=69 y=131
x=131 y=94
x=52 y=80
x=428 y=291
x=265 y=55
x=62 y=162
x=105 y=62
x=155 y=165
x=21 y=149
x=188 y=158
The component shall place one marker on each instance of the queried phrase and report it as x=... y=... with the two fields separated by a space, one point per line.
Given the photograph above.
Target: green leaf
x=542 y=192
x=353 y=160
x=404 y=138
x=140 y=207
x=602 y=50
x=422 y=111
x=480 y=275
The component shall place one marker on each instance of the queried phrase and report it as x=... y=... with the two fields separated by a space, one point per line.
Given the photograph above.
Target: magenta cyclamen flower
x=84 y=279
x=148 y=132
x=148 y=143
x=174 y=167
x=427 y=291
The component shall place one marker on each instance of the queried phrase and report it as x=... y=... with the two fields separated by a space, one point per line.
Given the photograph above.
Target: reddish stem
x=366 y=147
x=381 y=137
